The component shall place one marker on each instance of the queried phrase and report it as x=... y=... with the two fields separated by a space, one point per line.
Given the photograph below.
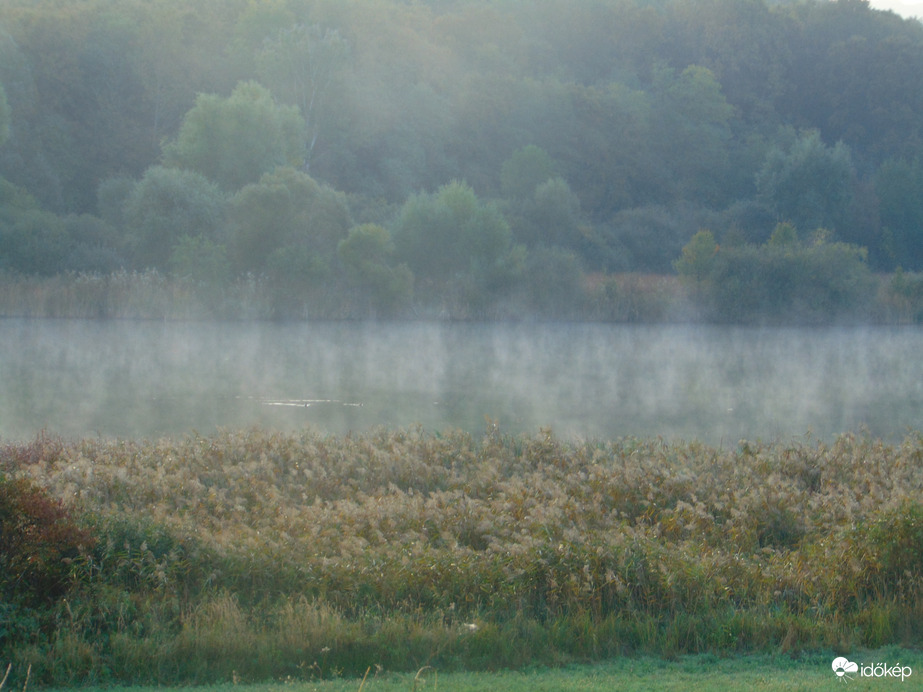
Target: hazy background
x=719 y=384
x=904 y=8
x=334 y=159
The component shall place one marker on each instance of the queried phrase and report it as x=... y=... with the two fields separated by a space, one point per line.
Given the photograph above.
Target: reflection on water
x=146 y=379
x=302 y=403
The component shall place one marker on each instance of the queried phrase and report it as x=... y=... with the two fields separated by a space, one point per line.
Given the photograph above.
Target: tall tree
x=809 y=184
x=899 y=185
x=451 y=233
x=34 y=242
x=300 y=64
x=742 y=42
x=367 y=255
x=551 y=216
x=180 y=52
x=167 y=205
x=524 y=171
x=286 y=209
x=607 y=150
x=855 y=77
x=235 y=140
x=693 y=131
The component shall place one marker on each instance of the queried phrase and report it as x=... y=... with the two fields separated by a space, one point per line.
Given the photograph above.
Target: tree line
x=463 y=155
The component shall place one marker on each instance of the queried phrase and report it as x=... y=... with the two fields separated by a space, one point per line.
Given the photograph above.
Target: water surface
x=718 y=384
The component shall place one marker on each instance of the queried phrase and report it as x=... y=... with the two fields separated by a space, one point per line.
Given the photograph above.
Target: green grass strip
x=703 y=673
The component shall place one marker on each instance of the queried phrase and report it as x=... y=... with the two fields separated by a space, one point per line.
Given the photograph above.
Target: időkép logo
x=846 y=670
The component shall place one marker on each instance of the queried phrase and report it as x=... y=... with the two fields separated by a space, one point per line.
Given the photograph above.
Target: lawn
x=703 y=673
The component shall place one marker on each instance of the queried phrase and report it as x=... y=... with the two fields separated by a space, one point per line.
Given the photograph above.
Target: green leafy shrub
x=781 y=281
x=904 y=296
x=366 y=255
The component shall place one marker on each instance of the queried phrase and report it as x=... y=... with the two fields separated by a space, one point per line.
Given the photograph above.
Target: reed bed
x=619 y=298
x=123 y=294
x=254 y=555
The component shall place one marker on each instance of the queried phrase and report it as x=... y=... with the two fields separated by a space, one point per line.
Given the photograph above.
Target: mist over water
x=717 y=384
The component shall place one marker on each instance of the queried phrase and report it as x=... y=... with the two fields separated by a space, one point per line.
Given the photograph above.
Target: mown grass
x=702 y=672
x=252 y=555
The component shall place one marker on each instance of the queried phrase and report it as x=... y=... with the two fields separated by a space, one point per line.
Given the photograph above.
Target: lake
x=717 y=384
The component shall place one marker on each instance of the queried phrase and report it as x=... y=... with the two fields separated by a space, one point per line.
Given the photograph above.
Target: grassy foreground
x=704 y=673
x=252 y=556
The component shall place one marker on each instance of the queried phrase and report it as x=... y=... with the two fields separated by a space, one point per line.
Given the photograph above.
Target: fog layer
x=718 y=384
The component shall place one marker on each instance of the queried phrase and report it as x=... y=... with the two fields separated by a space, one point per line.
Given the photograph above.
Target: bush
x=39 y=542
x=647 y=239
x=166 y=205
x=552 y=282
x=904 y=296
x=366 y=255
x=896 y=540
x=782 y=280
x=36 y=243
x=451 y=233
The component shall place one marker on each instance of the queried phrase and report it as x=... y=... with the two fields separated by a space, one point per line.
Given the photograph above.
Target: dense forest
x=469 y=158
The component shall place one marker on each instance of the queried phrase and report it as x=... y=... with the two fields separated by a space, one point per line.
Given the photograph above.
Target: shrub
x=39 y=542
x=366 y=255
x=904 y=296
x=782 y=280
x=896 y=541
x=551 y=282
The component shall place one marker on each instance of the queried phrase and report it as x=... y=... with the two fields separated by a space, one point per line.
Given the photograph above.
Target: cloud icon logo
x=842 y=666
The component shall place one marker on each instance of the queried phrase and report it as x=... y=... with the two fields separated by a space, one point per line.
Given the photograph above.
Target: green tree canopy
x=14 y=200
x=300 y=63
x=202 y=261
x=808 y=185
x=698 y=257
x=694 y=132
x=779 y=281
x=367 y=255
x=551 y=217
x=35 y=242
x=524 y=171
x=608 y=148
x=899 y=186
x=554 y=214
x=784 y=235
x=550 y=282
x=166 y=205
x=366 y=245
x=451 y=232
x=285 y=209
x=235 y=140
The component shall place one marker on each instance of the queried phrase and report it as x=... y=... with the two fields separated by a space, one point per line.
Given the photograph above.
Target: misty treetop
x=234 y=140
x=349 y=152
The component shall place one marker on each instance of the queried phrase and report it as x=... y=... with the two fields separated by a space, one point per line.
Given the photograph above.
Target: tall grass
x=152 y=295
x=149 y=294
x=255 y=555
x=131 y=295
